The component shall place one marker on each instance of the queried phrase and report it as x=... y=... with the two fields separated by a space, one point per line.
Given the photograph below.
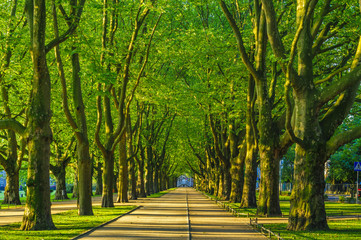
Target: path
x=167 y=218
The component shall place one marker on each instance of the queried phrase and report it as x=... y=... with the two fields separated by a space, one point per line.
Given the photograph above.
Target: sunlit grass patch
x=345 y=230
x=68 y=224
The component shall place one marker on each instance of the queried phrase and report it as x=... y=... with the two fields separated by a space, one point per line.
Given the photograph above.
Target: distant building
x=184 y=181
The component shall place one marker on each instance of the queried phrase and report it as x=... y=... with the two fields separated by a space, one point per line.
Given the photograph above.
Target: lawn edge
x=103 y=224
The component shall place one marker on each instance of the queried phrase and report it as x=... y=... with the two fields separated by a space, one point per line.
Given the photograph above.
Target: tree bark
x=84 y=160
x=99 y=178
x=59 y=173
x=11 y=193
x=123 y=172
x=37 y=214
x=108 y=180
x=308 y=212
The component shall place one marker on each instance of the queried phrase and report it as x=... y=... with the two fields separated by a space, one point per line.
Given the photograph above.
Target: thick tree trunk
x=11 y=193
x=37 y=214
x=108 y=180
x=268 y=202
x=308 y=212
x=250 y=179
x=123 y=172
x=237 y=172
x=250 y=176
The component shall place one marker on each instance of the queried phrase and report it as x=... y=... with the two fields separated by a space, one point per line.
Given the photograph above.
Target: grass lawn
x=332 y=208
x=343 y=230
x=68 y=224
x=157 y=195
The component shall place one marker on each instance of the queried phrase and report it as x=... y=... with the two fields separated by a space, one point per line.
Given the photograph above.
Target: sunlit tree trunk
x=123 y=172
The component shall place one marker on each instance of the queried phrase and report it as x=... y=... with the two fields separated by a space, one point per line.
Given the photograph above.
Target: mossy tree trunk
x=250 y=176
x=37 y=215
x=123 y=172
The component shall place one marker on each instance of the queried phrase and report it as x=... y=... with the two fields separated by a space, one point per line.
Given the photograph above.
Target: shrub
x=341 y=199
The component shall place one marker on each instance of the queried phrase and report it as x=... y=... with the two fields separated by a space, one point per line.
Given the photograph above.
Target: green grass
x=332 y=208
x=343 y=230
x=68 y=224
x=161 y=193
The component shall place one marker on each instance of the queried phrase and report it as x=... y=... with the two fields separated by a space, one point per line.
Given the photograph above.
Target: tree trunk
x=108 y=180
x=141 y=184
x=60 y=192
x=237 y=172
x=149 y=179
x=133 y=180
x=268 y=202
x=308 y=212
x=37 y=214
x=99 y=186
x=11 y=193
x=123 y=172
x=227 y=180
x=156 y=179
x=84 y=160
x=85 y=180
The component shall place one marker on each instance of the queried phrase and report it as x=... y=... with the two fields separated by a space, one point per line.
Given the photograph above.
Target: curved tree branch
x=13 y=125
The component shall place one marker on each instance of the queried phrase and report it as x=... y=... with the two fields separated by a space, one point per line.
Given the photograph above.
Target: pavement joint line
x=188 y=219
x=103 y=224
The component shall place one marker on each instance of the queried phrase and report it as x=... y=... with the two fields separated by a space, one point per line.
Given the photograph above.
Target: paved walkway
x=167 y=218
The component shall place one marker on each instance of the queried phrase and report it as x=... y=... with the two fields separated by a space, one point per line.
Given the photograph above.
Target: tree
x=79 y=124
x=312 y=129
x=11 y=157
x=62 y=159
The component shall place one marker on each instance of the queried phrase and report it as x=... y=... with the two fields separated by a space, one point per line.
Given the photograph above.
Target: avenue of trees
x=135 y=93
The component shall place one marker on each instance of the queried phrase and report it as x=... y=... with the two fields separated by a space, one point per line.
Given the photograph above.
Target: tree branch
x=341 y=139
x=70 y=30
x=12 y=125
x=340 y=86
x=239 y=39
